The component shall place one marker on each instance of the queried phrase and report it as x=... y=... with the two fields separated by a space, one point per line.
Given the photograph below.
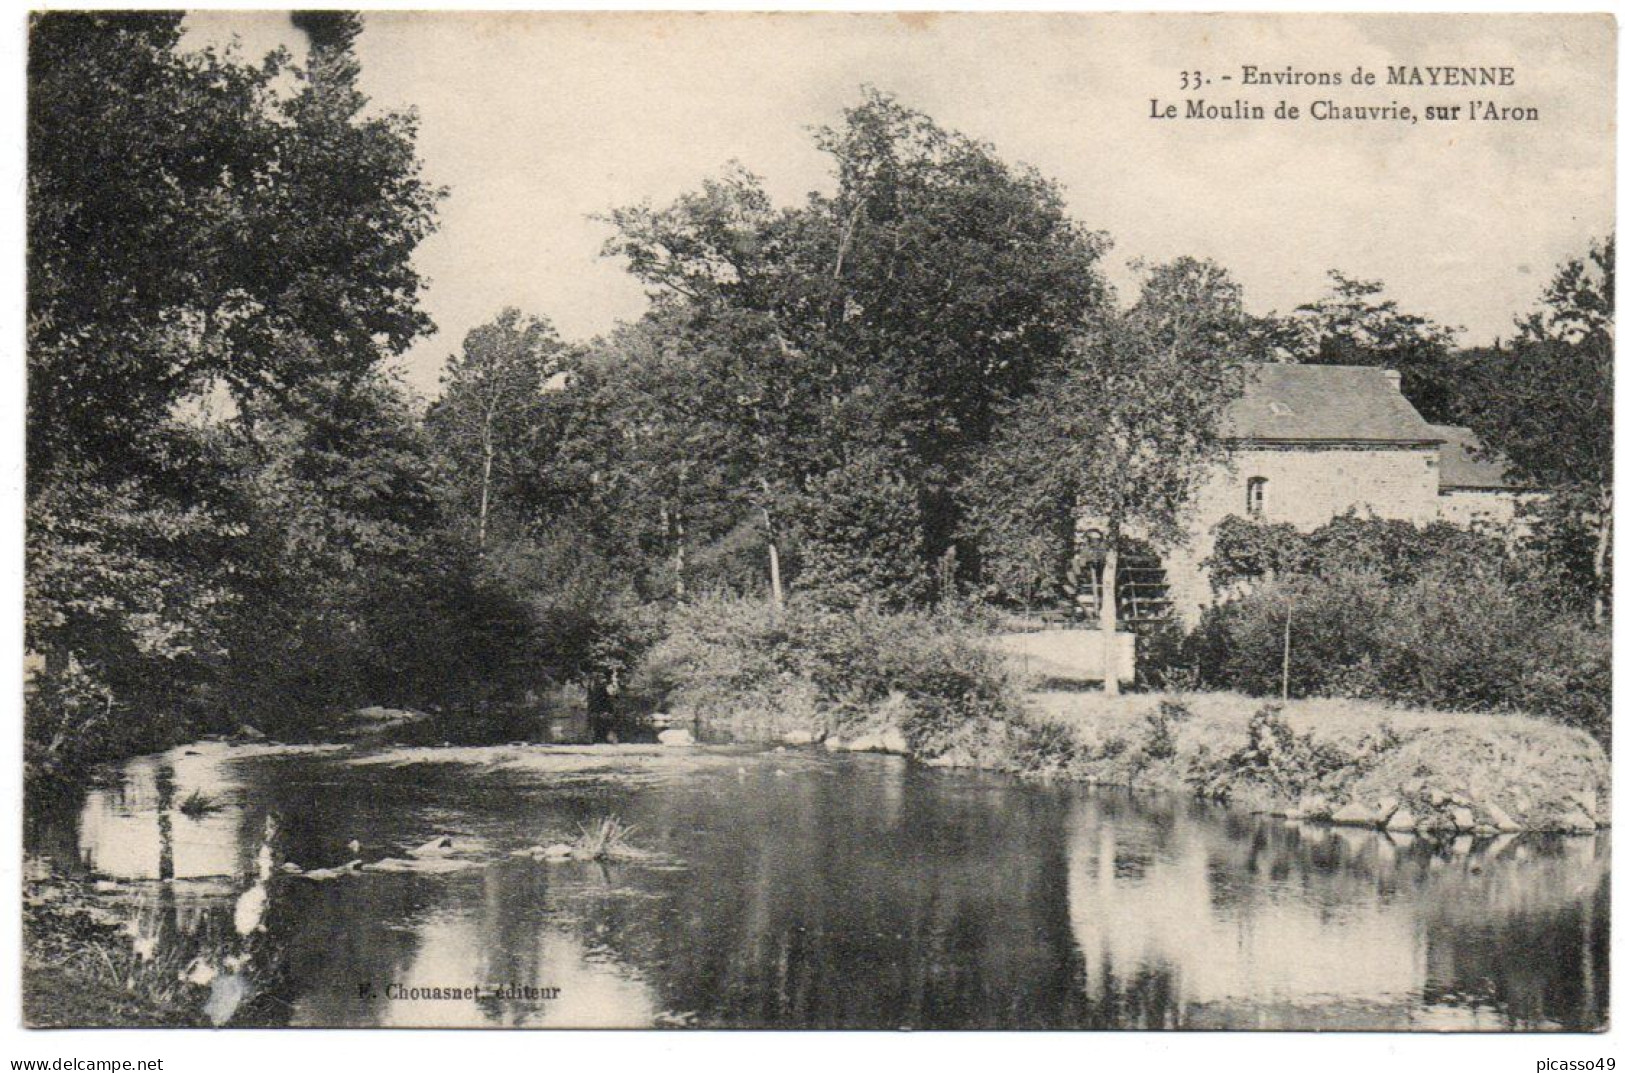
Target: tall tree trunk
x=1286 y=655
x=671 y=518
x=485 y=494
x=773 y=566
x=772 y=547
x=1599 y=560
x=1108 y=619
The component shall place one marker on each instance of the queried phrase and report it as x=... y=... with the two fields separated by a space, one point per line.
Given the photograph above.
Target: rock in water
x=1500 y=820
x=892 y=741
x=437 y=846
x=799 y=737
x=249 y=915
x=1462 y=818
x=676 y=736
x=226 y=993
x=320 y=874
x=1402 y=820
x=1355 y=814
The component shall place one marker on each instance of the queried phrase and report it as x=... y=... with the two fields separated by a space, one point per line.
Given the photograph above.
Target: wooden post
x=1108 y=619
x=1286 y=653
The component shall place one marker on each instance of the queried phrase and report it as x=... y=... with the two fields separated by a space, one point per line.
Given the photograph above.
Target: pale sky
x=538 y=121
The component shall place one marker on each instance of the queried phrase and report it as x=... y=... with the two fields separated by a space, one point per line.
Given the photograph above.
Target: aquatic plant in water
x=608 y=839
x=199 y=804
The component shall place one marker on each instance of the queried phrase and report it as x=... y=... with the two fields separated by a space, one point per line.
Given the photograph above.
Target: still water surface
x=795 y=889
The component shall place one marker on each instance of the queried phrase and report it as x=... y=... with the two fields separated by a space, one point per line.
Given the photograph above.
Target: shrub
x=730 y=660
x=1275 y=759
x=723 y=658
x=1046 y=748
x=862 y=537
x=1436 y=616
x=1159 y=738
x=1161 y=658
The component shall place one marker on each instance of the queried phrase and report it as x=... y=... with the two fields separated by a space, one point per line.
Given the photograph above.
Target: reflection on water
x=795 y=889
x=1274 y=925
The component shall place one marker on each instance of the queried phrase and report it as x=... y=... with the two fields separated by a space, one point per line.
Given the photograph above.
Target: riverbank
x=1360 y=763
x=1345 y=761
x=83 y=967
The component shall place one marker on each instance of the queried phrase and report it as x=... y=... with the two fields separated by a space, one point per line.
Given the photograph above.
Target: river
x=799 y=889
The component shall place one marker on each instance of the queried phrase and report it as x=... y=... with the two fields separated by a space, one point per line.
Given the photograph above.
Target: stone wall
x=1471 y=507
x=1068 y=655
x=1307 y=485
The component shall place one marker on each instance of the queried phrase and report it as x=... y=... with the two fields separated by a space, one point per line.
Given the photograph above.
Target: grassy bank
x=1329 y=758
x=82 y=968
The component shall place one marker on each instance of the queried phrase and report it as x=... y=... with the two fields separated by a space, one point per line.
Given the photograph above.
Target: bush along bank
x=1436 y=616
x=929 y=687
x=920 y=684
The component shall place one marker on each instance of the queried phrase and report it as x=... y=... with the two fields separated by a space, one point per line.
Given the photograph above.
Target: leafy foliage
x=1355 y=325
x=221 y=486
x=1436 y=616
x=1545 y=404
x=1120 y=439
x=486 y=426
x=728 y=660
x=935 y=285
x=861 y=537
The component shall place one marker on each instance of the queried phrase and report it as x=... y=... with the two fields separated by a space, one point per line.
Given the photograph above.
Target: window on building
x=1256 y=496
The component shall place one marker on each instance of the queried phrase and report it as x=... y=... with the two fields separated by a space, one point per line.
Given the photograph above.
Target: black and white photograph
x=882 y=520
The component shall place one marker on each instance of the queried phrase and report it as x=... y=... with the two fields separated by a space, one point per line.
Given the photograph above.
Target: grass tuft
x=608 y=839
x=199 y=804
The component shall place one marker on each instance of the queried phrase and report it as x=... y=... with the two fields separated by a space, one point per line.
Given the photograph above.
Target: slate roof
x=1325 y=403
x=1463 y=466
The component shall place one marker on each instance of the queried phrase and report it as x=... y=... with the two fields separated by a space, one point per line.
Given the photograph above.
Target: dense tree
x=1115 y=443
x=190 y=225
x=1544 y=402
x=199 y=228
x=485 y=422
x=1356 y=325
x=860 y=541
x=936 y=284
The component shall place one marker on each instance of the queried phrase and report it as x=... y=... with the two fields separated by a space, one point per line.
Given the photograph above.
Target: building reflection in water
x=1254 y=923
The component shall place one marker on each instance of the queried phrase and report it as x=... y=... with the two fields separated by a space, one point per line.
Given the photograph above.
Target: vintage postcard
x=719 y=520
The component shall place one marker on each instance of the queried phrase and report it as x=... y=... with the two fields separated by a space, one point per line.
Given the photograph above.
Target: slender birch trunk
x=485 y=492
x=671 y=519
x=772 y=546
x=773 y=561
x=1286 y=655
